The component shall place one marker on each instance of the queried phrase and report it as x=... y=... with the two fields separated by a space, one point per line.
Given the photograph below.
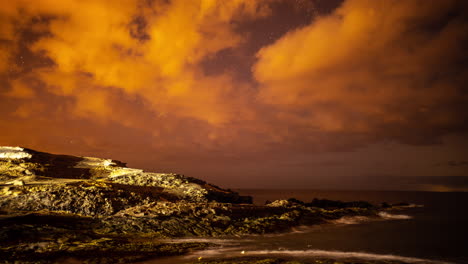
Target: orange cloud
x=20 y=89
x=7 y=41
x=4 y=58
x=94 y=52
x=370 y=70
x=370 y=66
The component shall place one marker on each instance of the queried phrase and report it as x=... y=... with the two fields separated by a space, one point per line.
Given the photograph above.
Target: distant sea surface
x=436 y=230
x=433 y=231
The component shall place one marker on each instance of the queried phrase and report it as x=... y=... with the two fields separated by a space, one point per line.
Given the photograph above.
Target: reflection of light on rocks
x=94 y=162
x=107 y=162
x=13 y=153
x=83 y=192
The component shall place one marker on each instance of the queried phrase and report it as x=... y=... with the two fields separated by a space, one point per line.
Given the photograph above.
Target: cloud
x=147 y=49
x=375 y=70
x=20 y=89
x=7 y=42
x=151 y=82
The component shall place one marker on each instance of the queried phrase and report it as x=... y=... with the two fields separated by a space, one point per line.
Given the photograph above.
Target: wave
x=294 y=230
x=345 y=220
x=218 y=241
x=408 y=206
x=353 y=220
x=350 y=220
x=386 y=215
x=316 y=253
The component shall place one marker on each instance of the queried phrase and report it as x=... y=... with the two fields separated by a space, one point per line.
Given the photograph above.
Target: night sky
x=245 y=93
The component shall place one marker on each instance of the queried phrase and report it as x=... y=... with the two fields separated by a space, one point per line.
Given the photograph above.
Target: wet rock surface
x=54 y=207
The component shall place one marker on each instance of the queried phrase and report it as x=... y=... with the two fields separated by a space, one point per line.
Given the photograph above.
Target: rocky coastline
x=58 y=208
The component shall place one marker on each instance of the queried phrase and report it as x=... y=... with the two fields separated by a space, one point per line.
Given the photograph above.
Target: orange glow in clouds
x=161 y=76
x=92 y=48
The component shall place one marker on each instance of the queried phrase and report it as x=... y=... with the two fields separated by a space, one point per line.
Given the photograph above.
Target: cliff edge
x=53 y=207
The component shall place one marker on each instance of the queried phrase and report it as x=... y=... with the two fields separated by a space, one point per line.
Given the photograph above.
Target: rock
x=82 y=207
x=385 y=205
x=16 y=163
x=16 y=182
x=400 y=204
x=295 y=201
x=279 y=203
x=13 y=153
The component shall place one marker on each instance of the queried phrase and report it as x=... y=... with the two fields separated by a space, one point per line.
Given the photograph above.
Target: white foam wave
x=316 y=253
x=386 y=215
x=350 y=220
x=299 y=229
x=203 y=240
x=217 y=252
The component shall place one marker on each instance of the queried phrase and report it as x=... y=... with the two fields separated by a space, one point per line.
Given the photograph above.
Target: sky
x=310 y=94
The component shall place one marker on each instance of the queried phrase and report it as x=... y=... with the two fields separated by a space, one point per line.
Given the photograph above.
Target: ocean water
x=434 y=230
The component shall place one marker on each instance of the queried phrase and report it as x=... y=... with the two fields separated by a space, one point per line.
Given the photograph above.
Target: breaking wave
x=219 y=241
x=315 y=253
x=350 y=220
x=386 y=215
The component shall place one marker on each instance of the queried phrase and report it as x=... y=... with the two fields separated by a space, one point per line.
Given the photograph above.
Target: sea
x=433 y=229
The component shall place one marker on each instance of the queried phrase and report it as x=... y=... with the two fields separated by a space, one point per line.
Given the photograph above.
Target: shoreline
x=99 y=211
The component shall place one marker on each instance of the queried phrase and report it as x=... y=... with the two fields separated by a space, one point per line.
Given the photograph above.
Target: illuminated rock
x=59 y=205
x=13 y=153
x=74 y=180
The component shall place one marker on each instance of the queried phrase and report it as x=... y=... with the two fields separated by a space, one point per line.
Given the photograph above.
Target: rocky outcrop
x=51 y=205
x=34 y=180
